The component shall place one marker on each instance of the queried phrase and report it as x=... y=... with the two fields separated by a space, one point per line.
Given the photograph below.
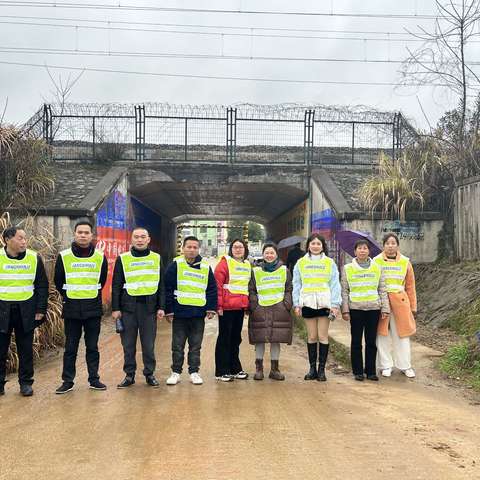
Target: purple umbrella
x=347 y=239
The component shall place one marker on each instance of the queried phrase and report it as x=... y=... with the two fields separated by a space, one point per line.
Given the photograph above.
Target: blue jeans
x=184 y=329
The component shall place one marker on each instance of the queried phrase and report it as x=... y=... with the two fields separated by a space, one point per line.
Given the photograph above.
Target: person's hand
x=39 y=317
x=298 y=311
x=116 y=314
x=335 y=311
x=169 y=317
x=210 y=315
x=220 y=312
x=160 y=314
x=385 y=316
x=346 y=316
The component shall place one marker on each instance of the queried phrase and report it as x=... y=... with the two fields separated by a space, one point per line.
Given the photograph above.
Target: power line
x=216 y=34
x=100 y=6
x=218 y=77
x=225 y=27
x=117 y=53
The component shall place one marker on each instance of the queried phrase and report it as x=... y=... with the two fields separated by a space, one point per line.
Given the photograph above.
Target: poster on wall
x=326 y=224
x=113 y=227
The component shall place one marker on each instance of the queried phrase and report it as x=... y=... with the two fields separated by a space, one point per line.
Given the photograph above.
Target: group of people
x=377 y=296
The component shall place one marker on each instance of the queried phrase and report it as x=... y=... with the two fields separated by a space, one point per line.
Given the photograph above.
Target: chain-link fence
x=245 y=134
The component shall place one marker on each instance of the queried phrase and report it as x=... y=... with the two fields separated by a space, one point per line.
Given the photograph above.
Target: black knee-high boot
x=322 y=361
x=312 y=360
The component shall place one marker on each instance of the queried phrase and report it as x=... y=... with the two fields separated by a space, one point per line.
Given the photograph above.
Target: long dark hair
x=230 y=248
x=317 y=236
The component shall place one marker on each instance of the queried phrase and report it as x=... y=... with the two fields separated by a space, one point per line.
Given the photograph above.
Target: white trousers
x=393 y=351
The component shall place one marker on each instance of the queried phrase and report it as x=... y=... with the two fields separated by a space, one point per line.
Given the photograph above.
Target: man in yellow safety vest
x=138 y=299
x=23 y=304
x=190 y=295
x=80 y=274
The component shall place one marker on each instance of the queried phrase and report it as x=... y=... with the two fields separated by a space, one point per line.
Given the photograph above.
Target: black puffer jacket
x=74 y=308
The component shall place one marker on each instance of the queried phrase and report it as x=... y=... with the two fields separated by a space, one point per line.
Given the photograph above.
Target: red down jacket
x=227 y=300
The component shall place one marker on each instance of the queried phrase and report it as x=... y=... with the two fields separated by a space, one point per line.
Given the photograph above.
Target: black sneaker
x=152 y=381
x=359 y=378
x=2 y=389
x=126 y=382
x=64 y=388
x=373 y=378
x=26 y=390
x=97 y=385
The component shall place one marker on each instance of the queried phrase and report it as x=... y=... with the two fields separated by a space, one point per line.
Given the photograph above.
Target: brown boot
x=275 y=373
x=258 y=370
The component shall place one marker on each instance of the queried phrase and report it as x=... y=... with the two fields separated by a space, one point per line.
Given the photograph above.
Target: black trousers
x=227 y=349
x=184 y=329
x=73 y=333
x=364 y=322
x=146 y=324
x=24 y=341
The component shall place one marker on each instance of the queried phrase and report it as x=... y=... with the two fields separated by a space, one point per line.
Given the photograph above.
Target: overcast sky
x=27 y=87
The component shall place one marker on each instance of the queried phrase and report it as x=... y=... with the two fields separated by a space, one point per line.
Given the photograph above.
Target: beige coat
x=402 y=305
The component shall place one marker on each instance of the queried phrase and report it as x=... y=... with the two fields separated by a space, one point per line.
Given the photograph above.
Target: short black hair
x=389 y=235
x=230 y=248
x=83 y=222
x=10 y=232
x=190 y=237
x=141 y=228
x=270 y=245
x=362 y=242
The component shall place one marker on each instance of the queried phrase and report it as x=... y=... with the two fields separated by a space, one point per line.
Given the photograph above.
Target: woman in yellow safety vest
x=394 y=331
x=232 y=275
x=270 y=295
x=364 y=299
x=317 y=297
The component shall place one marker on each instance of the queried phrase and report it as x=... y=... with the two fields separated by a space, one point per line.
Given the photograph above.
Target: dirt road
x=396 y=429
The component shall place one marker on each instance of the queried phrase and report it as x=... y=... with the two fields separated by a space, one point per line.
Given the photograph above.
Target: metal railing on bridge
x=242 y=134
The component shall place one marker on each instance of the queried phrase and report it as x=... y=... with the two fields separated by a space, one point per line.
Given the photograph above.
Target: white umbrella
x=289 y=241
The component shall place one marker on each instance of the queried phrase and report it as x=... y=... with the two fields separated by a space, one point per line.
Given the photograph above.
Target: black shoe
x=373 y=378
x=26 y=390
x=126 y=382
x=2 y=389
x=322 y=361
x=359 y=378
x=152 y=381
x=312 y=359
x=97 y=385
x=64 y=388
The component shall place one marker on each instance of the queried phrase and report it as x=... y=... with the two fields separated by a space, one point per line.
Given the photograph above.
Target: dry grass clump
x=50 y=335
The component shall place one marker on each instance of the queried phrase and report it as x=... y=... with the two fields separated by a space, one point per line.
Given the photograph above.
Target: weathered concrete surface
x=396 y=429
x=220 y=191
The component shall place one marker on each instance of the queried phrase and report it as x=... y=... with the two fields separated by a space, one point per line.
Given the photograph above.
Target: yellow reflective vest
x=239 y=274
x=315 y=274
x=191 y=283
x=82 y=274
x=17 y=276
x=142 y=274
x=394 y=272
x=363 y=282
x=270 y=285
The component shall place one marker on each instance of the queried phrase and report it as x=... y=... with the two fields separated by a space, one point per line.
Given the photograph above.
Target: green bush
x=463 y=361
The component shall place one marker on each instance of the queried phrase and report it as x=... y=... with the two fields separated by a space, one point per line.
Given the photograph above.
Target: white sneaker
x=387 y=372
x=409 y=373
x=195 y=378
x=241 y=375
x=225 y=378
x=173 y=379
